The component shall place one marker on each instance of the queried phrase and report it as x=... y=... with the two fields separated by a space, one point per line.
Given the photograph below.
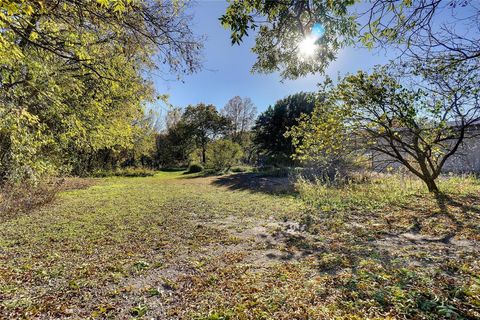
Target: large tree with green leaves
x=271 y=126
x=75 y=73
x=203 y=123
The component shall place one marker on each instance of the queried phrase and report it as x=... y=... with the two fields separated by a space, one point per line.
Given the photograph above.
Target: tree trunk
x=426 y=175
x=431 y=185
x=204 y=155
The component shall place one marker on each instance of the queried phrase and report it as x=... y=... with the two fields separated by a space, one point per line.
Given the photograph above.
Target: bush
x=223 y=154
x=194 y=168
x=124 y=172
x=241 y=169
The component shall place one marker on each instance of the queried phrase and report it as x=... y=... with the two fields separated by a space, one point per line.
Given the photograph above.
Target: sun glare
x=307 y=47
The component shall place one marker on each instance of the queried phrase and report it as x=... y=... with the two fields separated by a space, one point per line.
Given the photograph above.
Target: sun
x=307 y=47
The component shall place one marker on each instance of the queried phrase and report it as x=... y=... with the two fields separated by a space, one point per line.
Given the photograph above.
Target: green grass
x=177 y=246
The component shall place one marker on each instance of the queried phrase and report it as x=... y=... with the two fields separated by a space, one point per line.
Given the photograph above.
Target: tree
x=241 y=113
x=423 y=29
x=73 y=30
x=323 y=139
x=271 y=126
x=203 y=123
x=174 y=146
x=282 y=25
x=222 y=154
x=417 y=124
x=76 y=72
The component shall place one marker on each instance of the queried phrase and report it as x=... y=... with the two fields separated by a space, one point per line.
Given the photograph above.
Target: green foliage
x=323 y=134
x=222 y=154
x=202 y=123
x=412 y=27
x=174 y=147
x=323 y=138
x=287 y=23
x=188 y=134
x=195 y=168
x=72 y=84
x=22 y=138
x=271 y=126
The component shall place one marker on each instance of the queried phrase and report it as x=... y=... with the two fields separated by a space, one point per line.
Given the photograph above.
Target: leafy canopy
x=422 y=29
x=76 y=73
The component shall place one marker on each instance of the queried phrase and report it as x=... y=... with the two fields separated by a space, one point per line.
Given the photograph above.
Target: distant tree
x=203 y=123
x=249 y=147
x=417 y=124
x=222 y=154
x=241 y=113
x=271 y=126
x=174 y=146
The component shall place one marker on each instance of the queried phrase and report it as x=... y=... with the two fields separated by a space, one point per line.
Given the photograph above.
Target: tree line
x=74 y=81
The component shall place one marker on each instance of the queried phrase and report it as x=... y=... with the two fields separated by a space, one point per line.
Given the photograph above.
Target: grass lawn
x=176 y=246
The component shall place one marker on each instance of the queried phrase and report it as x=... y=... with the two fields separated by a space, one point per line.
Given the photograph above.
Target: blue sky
x=226 y=68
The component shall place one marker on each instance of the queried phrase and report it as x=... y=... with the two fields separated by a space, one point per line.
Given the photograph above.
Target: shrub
x=241 y=169
x=195 y=167
x=223 y=154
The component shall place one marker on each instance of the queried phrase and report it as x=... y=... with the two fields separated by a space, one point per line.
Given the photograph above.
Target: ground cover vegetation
x=178 y=246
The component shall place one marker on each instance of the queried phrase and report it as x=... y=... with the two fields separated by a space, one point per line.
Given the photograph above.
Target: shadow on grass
x=457 y=211
x=256 y=182
x=445 y=201
x=365 y=268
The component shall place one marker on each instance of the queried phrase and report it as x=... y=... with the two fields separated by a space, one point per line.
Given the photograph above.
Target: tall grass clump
x=373 y=191
x=464 y=184
x=363 y=193
x=16 y=198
